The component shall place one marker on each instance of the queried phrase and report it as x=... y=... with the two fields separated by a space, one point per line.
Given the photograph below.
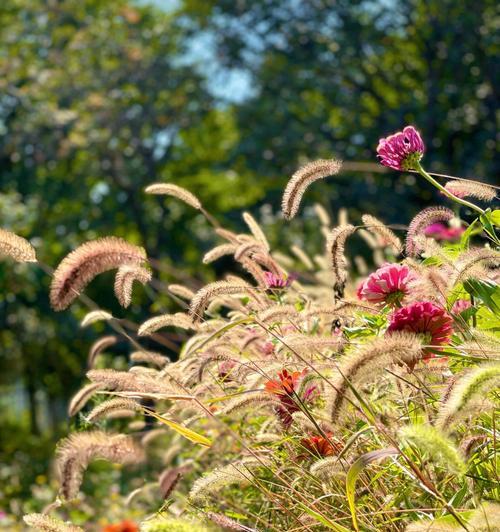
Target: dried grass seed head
x=169 y=189
x=16 y=247
x=124 y=280
x=301 y=179
x=78 y=268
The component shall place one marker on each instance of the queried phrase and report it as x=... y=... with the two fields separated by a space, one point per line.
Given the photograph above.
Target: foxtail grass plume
x=328 y=467
x=473 y=261
x=420 y=222
x=322 y=215
x=86 y=262
x=124 y=280
x=336 y=247
x=469 y=395
x=366 y=364
x=94 y=316
x=302 y=256
x=431 y=441
x=247 y=249
x=105 y=408
x=168 y=189
x=218 y=252
x=149 y=357
x=237 y=472
x=169 y=478
x=137 y=385
x=256 y=230
x=80 y=399
x=385 y=236
x=227 y=523
x=249 y=401
x=45 y=523
x=181 y=291
x=301 y=179
x=79 y=449
x=98 y=347
x=179 y=319
x=202 y=297
x=471 y=189
x=16 y=247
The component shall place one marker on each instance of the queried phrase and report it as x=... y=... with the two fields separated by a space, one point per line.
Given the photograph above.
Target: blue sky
x=233 y=85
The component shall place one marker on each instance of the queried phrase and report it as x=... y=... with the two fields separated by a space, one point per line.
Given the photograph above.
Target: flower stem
x=431 y=180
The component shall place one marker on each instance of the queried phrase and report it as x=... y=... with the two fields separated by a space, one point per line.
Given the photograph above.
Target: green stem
x=431 y=180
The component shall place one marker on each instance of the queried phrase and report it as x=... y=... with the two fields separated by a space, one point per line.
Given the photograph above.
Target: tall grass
x=301 y=400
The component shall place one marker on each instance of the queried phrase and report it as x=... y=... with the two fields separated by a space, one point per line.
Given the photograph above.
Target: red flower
x=285 y=387
x=285 y=383
x=320 y=446
x=401 y=151
x=427 y=319
x=124 y=526
x=388 y=285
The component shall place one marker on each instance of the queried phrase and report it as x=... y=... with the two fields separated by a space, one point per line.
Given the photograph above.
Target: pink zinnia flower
x=278 y=282
x=401 y=151
x=268 y=348
x=427 y=319
x=226 y=368
x=388 y=285
x=460 y=306
x=443 y=233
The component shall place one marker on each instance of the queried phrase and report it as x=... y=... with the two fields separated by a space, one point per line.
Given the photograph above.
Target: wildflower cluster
x=303 y=401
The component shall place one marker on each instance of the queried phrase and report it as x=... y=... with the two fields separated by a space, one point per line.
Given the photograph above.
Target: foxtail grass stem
x=438 y=185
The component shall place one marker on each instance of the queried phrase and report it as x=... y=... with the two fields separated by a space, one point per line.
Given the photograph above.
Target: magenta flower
x=226 y=368
x=268 y=348
x=388 y=285
x=278 y=282
x=443 y=233
x=427 y=319
x=461 y=305
x=401 y=151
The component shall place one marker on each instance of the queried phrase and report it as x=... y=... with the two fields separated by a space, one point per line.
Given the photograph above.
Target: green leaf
x=487 y=291
x=320 y=518
x=468 y=233
x=486 y=221
x=189 y=434
x=495 y=217
x=354 y=472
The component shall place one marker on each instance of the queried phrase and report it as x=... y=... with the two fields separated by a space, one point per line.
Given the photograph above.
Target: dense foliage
x=302 y=399
x=100 y=98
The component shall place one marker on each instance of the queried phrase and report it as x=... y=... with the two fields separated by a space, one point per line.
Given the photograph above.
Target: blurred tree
x=97 y=101
x=98 y=98
x=330 y=77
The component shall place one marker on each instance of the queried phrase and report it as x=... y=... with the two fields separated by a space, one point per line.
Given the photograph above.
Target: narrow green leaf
x=355 y=470
x=189 y=434
x=323 y=520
